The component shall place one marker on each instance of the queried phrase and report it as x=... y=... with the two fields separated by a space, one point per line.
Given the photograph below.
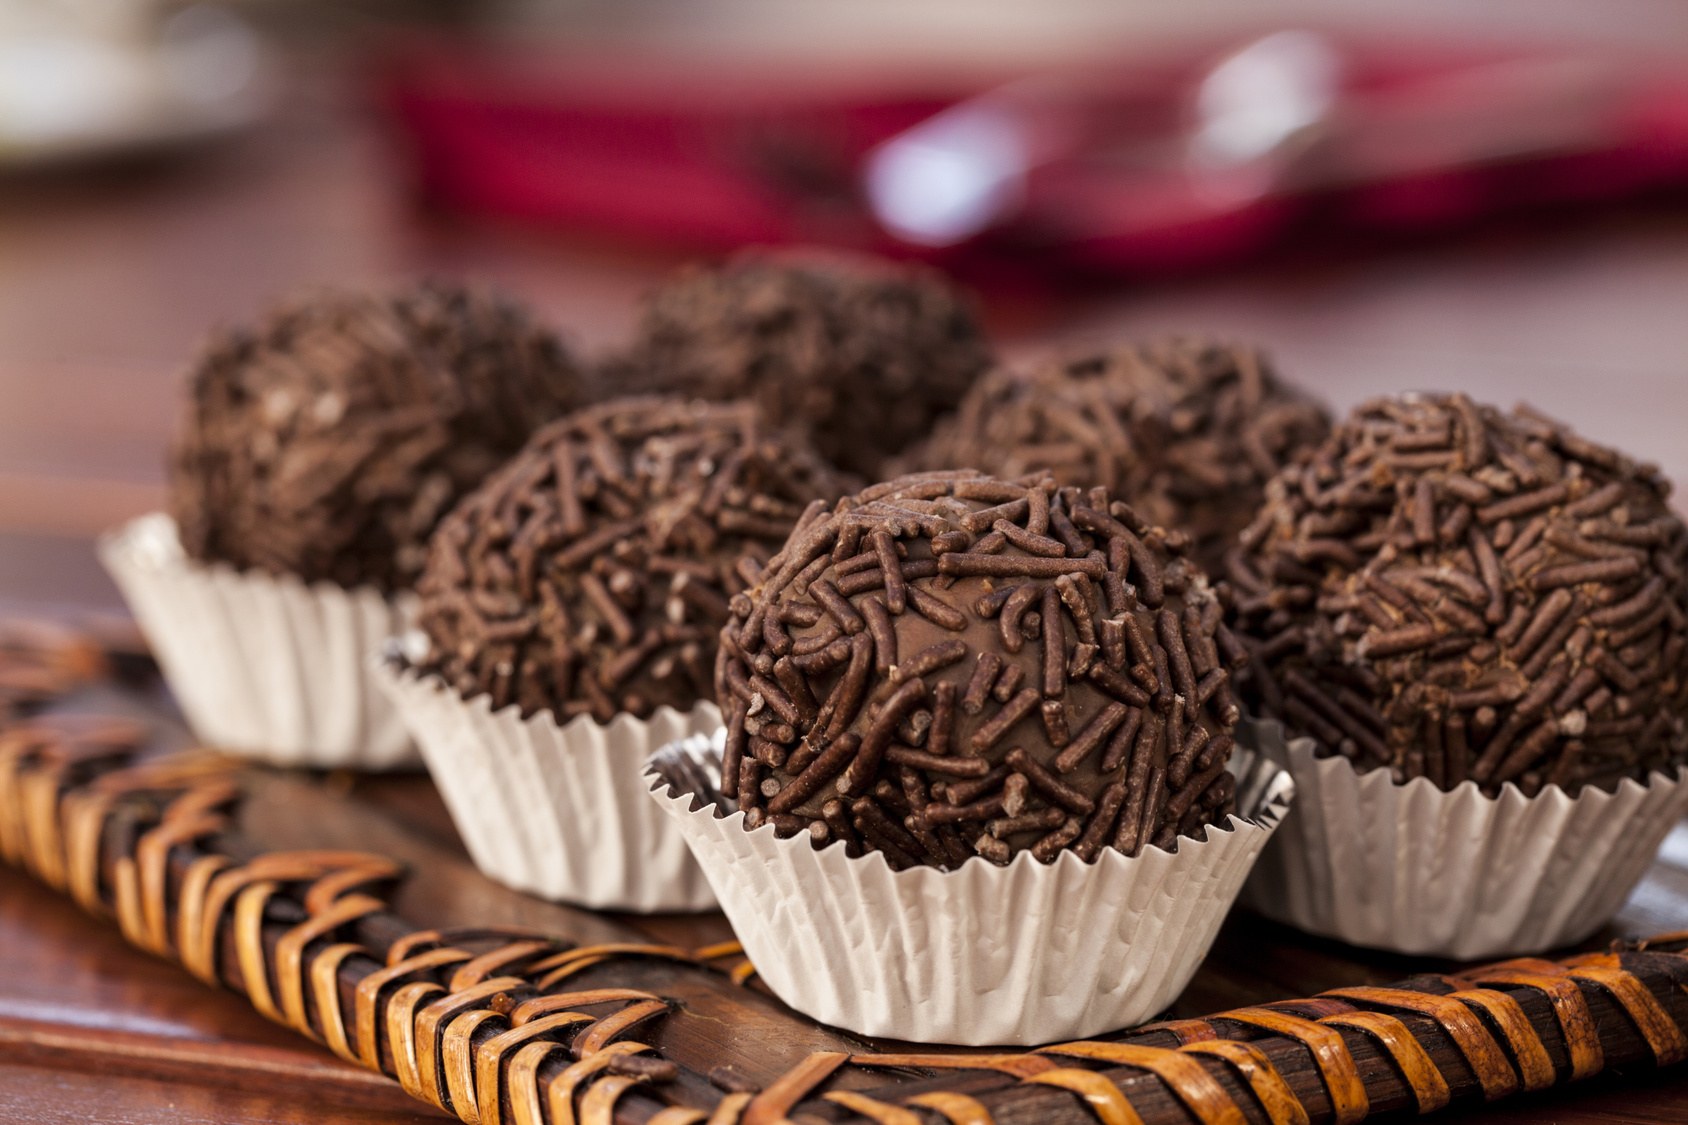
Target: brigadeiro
x=857 y=354
x=1187 y=431
x=950 y=666
x=569 y=619
x=318 y=451
x=1477 y=619
x=327 y=443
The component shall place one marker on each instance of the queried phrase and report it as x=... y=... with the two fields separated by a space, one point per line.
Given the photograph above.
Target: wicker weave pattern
x=475 y=1021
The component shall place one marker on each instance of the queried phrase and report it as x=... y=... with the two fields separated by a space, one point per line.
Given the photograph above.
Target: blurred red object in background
x=1144 y=166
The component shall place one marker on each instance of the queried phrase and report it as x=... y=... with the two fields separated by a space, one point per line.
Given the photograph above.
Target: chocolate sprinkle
x=1186 y=432
x=971 y=723
x=859 y=355
x=328 y=441
x=623 y=615
x=1538 y=639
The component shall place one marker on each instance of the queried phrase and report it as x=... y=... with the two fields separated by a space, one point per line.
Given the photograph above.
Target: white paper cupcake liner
x=1023 y=954
x=263 y=666
x=559 y=812
x=1416 y=870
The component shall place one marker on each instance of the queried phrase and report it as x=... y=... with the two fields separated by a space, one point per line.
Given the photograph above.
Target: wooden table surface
x=107 y=281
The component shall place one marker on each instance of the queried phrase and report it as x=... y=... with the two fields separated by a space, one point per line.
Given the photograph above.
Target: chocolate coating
x=1457 y=593
x=1187 y=431
x=858 y=355
x=592 y=573
x=950 y=664
x=329 y=440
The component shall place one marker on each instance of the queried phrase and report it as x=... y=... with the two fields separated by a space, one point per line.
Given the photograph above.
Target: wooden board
x=90 y=1025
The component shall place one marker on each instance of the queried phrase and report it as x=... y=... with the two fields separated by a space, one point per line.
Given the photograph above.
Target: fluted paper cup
x=1023 y=954
x=1416 y=870
x=557 y=811
x=264 y=666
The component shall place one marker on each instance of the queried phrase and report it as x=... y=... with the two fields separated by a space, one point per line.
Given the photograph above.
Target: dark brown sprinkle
x=991 y=604
x=1091 y=737
x=888 y=837
x=837 y=606
x=1191 y=431
x=1119 y=746
x=969 y=563
x=1017 y=708
x=1008 y=683
x=1055 y=722
x=845 y=701
x=965 y=792
x=1112 y=636
x=814 y=777
x=1118 y=686
x=928 y=660
x=1008 y=620
x=988 y=489
x=985 y=672
x=861 y=770
x=824 y=660
x=859 y=357
x=750 y=786
x=1050 y=846
x=937 y=763
x=929 y=742
x=622 y=608
x=884 y=636
x=329 y=442
x=941 y=812
x=978 y=521
x=1163 y=696
x=863 y=580
x=837 y=819
x=1047 y=783
x=855 y=564
x=1497 y=647
x=1147 y=773
x=936 y=610
x=891 y=566
x=1030 y=541
x=1575 y=574
x=1039 y=820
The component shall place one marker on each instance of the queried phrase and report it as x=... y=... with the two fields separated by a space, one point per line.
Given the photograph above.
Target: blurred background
x=1387 y=194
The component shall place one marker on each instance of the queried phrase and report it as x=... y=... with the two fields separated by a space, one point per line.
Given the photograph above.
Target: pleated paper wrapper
x=264 y=666
x=1413 y=869
x=560 y=812
x=1023 y=954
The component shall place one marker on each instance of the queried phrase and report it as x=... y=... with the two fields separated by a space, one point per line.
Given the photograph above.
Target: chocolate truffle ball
x=1188 y=432
x=857 y=355
x=328 y=441
x=1456 y=593
x=592 y=573
x=952 y=665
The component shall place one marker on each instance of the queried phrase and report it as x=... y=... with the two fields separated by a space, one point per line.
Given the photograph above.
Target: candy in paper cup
x=1023 y=954
x=1416 y=870
x=264 y=666
x=557 y=811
